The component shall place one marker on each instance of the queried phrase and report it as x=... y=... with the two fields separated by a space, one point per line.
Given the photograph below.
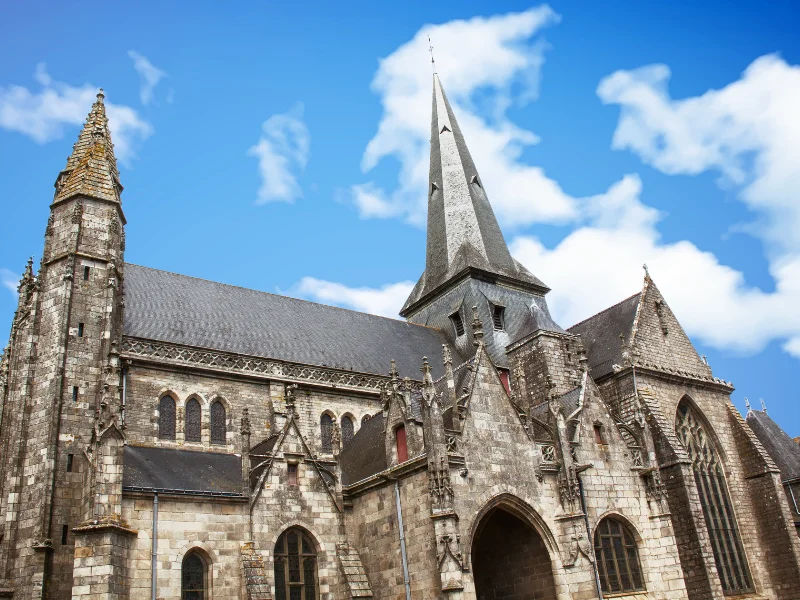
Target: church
x=166 y=437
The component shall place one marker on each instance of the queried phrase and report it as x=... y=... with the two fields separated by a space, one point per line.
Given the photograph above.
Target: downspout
x=124 y=392
x=406 y=580
x=154 y=553
x=590 y=538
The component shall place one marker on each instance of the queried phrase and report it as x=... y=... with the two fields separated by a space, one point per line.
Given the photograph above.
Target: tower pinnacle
x=91 y=168
x=463 y=233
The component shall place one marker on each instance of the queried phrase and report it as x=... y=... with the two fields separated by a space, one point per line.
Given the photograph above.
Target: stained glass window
x=347 y=429
x=193 y=578
x=726 y=541
x=218 y=425
x=617 y=558
x=166 y=418
x=193 y=421
x=295 y=567
x=326 y=433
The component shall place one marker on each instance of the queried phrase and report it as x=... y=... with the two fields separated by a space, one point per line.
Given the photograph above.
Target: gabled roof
x=181 y=471
x=600 y=335
x=462 y=229
x=365 y=454
x=783 y=449
x=194 y=312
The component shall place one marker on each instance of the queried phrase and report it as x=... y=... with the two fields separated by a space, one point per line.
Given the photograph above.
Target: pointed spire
x=91 y=168
x=462 y=228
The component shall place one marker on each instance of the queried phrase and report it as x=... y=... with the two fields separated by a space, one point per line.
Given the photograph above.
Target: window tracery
x=295 y=567
x=194 y=417
x=166 y=418
x=326 y=433
x=712 y=488
x=193 y=577
x=617 y=558
x=347 y=429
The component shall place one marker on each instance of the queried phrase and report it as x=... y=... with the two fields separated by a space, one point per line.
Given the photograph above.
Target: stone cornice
x=143 y=351
x=673 y=376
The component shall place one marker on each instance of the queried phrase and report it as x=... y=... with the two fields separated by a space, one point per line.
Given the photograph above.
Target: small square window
x=69 y=463
x=80 y=329
x=498 y=317
x=86 y=273
x=458 y=323
x=292 y=468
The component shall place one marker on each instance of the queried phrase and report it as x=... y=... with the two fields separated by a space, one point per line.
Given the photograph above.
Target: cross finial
x=100 y=95
x=430 y=49
x=646 y=272
x=763 y=406
x=747 y=403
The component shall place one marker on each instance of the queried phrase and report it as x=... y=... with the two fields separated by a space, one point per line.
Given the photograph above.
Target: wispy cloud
x=44 y=115
x=282 y=153
x=9 y=280
x=384 y=301
x=149 y=74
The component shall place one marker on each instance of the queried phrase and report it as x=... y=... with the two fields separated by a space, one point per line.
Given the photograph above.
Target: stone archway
x=510 y=560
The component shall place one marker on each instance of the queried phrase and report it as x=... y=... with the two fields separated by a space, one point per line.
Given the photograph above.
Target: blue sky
x=283 y=147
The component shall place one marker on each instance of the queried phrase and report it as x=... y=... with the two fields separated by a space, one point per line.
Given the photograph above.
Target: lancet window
x=166 y=418
x=218 y=425
x=726 y=541
x=295 y=567
x=347 y=429
x=193 y=421
x=193 y=577
x=326 y=433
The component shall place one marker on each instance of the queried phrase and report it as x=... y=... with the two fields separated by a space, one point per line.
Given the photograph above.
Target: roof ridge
x=230 y=285
x=603 y=311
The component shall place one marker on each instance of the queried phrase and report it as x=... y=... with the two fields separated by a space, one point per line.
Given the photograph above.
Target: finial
x=447 y=357
x=426 y=371
x=763 y=406
x=29 y=267
x=646 y=272
x=430 y=49
x=393 y=371
x=100 y=96
x=747 y=404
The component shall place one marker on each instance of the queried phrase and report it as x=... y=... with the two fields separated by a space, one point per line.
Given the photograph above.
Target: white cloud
x=9 y=280
x=43 y=116
x=503 y=54
x=149 y=74
x=282 y=151
x=385 y=301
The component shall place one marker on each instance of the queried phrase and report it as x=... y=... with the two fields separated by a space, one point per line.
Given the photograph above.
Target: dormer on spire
x=91 y=168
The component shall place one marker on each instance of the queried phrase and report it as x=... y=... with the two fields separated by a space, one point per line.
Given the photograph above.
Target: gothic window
x=712 y=488
x=295 y=567
x=326 y=433
x=166 y=418
x=218 y=425
x=617 y=558
x=193 y=577
x=193 y=421
x=347 y=429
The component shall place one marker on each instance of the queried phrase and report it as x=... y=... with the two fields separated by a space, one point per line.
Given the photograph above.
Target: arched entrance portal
x=510 y=560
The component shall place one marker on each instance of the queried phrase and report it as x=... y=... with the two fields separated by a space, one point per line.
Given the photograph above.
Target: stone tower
x=468 y=263
x=59 y=437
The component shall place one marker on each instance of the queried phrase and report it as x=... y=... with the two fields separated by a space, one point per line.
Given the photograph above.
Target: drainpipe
x=590 y=539
x=124 y=391
x=154 y=554
x=402 y=539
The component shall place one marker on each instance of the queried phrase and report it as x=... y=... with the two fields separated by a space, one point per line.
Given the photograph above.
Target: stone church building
x=166 y=437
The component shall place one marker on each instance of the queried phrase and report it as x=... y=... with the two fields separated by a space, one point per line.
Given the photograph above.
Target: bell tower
x=61 y=398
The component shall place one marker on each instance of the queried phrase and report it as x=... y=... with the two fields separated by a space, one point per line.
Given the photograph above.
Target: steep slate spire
x=462 y=228
x=91 y=168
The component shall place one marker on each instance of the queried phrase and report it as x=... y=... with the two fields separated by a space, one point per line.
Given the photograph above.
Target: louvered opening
x=498 y=317
x=458 y=324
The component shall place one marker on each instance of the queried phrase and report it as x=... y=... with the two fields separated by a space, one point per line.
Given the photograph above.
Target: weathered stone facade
x=168 y=438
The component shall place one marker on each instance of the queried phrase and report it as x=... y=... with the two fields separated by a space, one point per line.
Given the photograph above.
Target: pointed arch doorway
x=510 y=560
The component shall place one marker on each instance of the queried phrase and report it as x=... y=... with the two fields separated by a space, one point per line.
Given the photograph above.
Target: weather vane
x=430 y=49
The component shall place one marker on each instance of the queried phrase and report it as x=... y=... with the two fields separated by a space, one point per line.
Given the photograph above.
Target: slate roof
x=181 y=471
x=600 y=335
x=365 y=454
x=185 y=310
x=783 y=449
x=462 y=228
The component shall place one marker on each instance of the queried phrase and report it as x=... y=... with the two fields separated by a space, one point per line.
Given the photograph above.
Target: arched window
x=295 y=567
x=364 y=419
x=218 y=425
x=166 y=418
x=326 y=433
x=726 y=542
x=193 y=421
x=193 y=577
x=617 y=558
x=347 y=429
